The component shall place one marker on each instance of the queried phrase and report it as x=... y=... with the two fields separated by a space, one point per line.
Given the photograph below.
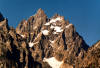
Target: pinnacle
x=40 y=10
x=40 y=13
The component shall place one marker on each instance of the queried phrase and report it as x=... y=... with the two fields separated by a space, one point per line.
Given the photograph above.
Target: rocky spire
x=40 y=13
x=3 y=23
x=33 y=25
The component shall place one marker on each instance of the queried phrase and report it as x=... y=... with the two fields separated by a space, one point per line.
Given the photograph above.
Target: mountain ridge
x=42 y=42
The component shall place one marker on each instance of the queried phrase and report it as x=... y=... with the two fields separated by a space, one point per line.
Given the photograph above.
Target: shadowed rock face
x=1 y=17
x=92 y=57
x=40 y=42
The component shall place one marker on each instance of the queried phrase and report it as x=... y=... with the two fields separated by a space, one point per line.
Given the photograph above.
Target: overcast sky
x=85 y=13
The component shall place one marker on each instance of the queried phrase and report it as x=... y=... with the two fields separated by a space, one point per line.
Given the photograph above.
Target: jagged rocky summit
x=40 y=42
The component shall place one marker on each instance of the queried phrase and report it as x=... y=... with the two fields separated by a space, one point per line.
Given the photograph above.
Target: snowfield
x=53 y=62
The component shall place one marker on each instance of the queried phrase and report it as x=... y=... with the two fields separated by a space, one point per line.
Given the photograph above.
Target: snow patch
x=31 y=44
x=55 y=33
x=47 y=24
x=56 y=19
x=51 y=26
x=45 y=32
x=53 y=62
x=58 y=29
x=51 y=41
x=23 y=35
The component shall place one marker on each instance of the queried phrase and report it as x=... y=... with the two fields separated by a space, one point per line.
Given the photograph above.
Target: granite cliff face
x=40 y=42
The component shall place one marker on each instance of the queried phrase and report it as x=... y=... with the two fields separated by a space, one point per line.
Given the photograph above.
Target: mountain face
x=40 y=42
x=92 y=58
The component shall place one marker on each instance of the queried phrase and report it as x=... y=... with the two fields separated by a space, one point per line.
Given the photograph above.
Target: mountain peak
x=42 y=42
x=40 y=13
x=40 y=10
